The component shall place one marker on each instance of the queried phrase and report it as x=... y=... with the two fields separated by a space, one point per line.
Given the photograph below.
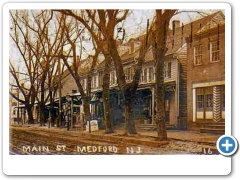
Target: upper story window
x=169 y=72
x=100 y=78
x=113 y=77
x=150 y=74
x=198 y=55
x=144 y=75
x=94 y=82
x=167 y=69
x=129 y=73
x=214 y=51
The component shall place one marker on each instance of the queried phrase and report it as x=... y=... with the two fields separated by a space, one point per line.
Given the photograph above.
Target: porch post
x=153 y=105
x=194 y=104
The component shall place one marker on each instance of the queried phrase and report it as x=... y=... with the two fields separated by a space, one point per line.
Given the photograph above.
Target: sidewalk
x=191 y=136
x=143 y=137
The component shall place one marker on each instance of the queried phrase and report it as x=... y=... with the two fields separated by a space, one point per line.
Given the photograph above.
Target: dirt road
x=44 y=141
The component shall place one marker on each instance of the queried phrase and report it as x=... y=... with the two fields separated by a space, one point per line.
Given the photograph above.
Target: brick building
x=206 y=72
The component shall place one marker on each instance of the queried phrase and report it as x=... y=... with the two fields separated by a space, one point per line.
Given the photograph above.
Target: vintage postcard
x=138 y=85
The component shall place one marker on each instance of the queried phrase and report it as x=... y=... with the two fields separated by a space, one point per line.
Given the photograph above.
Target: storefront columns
x=194 y=104
x=216 y=103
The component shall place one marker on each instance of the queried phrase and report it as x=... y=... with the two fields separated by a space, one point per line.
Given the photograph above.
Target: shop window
x=209 y=98
x=204 y=99
x=200 y=99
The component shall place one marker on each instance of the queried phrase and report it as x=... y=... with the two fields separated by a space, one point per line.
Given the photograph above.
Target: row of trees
x=46 y=36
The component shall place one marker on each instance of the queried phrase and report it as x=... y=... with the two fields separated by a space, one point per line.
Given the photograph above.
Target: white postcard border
x=114 y=164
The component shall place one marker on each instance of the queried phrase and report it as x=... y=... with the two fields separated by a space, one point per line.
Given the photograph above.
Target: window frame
x=150 y=74
x=100 y=78
x=197 y=54
x=145 y=73
x=217 y=51
x=169 y=70
x=112 y=77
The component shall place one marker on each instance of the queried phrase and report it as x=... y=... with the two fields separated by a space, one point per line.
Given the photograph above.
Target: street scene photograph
x=116 y=81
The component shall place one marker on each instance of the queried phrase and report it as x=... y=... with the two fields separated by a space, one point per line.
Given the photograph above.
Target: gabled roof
x=174 y=42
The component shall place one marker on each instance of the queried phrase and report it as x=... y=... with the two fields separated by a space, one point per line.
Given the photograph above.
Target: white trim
x=210 y=51
x=206 y=84
x=194 y=105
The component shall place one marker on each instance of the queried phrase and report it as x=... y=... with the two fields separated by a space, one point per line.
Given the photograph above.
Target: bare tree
x=38 y=33
x=106 y=21
x=162 y=22
x=23 y=40
x=128 y=91
x=70 y=29
x=101 y=46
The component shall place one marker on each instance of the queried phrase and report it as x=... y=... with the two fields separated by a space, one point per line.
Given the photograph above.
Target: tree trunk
x=42 y=114
x=86 y=109
x=130 y=124
x=162 y=22
x=106 y=95
x=30 y=114
x=107 y=110
x=52 y=118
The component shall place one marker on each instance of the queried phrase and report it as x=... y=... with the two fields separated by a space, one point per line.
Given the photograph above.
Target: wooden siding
x=174 y=70
x=182 y=59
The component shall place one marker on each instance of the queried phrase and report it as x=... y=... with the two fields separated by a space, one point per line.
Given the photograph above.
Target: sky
x=134 y=25
x=136 y=22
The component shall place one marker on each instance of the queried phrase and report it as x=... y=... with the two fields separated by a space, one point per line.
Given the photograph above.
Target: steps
x=213 y=128
x=146 y=127
x=153 y=127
